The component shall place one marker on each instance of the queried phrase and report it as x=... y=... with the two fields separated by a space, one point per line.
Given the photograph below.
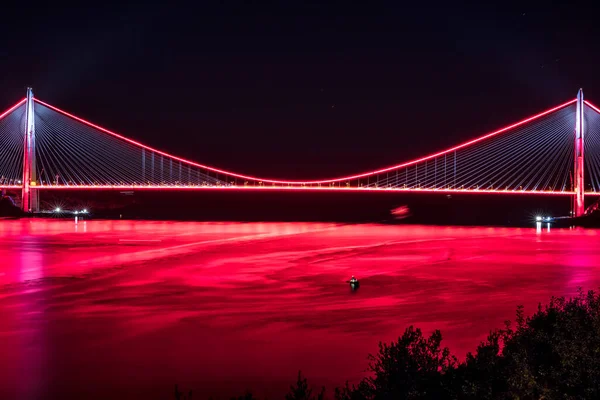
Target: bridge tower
x=29 y=194
x=578 y=200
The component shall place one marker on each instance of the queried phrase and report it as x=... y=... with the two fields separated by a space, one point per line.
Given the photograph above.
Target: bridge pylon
x=578 y=199
x=29 y=194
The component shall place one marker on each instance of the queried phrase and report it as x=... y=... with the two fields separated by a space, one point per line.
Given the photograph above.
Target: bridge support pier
x=578 y=184
x=29 y=194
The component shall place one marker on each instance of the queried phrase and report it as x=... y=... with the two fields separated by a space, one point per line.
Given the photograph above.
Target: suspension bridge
x=45 y=148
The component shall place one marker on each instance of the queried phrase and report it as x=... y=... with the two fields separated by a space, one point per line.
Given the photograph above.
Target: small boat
x=354 y=283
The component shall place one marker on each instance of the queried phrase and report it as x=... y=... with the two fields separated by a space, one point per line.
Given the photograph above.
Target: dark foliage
x=554 y=354
x=247 y=396
x=301 y=390
x=181 y=395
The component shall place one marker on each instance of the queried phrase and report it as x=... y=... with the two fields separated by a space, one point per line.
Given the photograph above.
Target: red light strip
x=347 y=178
x=5 y=113
x=592 y=106
x=299 y=188
x=11 y=187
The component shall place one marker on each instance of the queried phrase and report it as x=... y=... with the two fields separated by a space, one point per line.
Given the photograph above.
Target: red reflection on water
x=221 y=307
x=23 y=321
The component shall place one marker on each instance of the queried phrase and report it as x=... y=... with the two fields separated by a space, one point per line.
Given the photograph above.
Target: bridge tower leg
x=578 y=200
x=29 y=194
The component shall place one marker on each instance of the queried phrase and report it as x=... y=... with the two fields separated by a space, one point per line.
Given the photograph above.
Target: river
x=115 y=309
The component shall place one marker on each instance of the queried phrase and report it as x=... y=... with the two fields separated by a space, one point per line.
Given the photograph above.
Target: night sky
x=300 y=91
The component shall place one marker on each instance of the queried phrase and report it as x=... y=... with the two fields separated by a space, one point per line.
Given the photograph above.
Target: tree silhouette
x=181 y=395
x=554 y=354
x=301 y=390
x=246 y=396
x=411 y=367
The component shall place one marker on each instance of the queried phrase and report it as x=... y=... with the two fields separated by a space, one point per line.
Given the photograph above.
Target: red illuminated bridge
x=45 y=148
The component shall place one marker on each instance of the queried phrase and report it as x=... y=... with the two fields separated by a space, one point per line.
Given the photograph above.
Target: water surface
x=122 y=308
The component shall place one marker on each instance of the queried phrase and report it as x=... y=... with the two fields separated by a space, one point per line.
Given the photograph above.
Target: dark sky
x=300 y=90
